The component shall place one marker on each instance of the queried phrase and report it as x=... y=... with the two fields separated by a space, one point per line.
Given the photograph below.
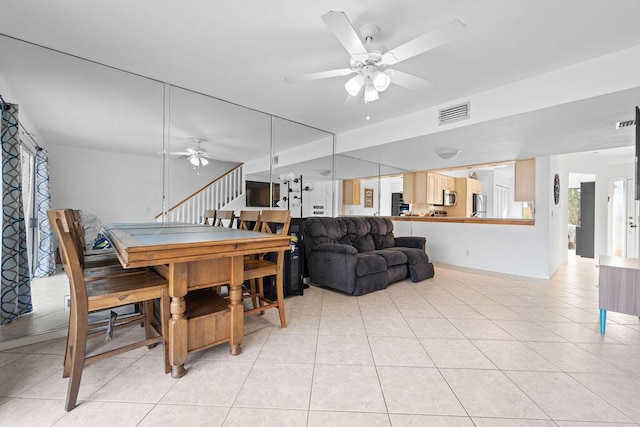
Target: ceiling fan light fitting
x=370 y=93
x=354 y=85
x=194 y=160
x=204 y=161
x=381 y=81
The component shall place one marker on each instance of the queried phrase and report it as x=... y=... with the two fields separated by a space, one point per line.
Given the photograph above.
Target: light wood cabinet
x=421 y=189
x=351 y=192
x=426 y=187
x=525 y=180
x=448 y=182
x=433 y=185
x=436 y=184
x=407 y=187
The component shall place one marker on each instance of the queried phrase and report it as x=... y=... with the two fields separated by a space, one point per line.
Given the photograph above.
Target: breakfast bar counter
x=464 y=220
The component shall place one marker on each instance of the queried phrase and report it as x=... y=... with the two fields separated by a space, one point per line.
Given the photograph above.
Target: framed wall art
x=368 y=197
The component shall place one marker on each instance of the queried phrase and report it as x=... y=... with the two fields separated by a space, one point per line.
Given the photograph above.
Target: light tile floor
x=464 y=348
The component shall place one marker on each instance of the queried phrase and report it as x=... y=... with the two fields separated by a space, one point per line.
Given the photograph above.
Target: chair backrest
x=71 y=217
x=226 y=215
x=274 y=221
x=248 y=220
x=209 y=214
x=62 y=222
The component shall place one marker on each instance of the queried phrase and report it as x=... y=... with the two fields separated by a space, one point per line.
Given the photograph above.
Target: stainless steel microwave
x=450 y=198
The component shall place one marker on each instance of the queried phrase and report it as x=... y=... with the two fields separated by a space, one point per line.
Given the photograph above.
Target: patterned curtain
x=15 y=285
x=46 y=258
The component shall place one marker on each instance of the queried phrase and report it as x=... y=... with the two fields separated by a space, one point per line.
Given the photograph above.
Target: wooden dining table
x=194 y=259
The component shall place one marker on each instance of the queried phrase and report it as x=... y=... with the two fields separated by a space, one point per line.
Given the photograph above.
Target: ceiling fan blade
x=425 y=42
x=346 y=35
x=179 y=153
x=191 y=151
x=319 y=75
x=409 y=81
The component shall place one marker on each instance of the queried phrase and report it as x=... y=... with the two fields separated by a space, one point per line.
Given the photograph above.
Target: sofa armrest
x=411 y=242
x=335 y=247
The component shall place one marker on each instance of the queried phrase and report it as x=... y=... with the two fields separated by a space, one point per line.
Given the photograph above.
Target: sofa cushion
x=382 y=232
x=391 y=257
x=369 y=264
x=359 y=233
x=414 y=256
x=325 y=230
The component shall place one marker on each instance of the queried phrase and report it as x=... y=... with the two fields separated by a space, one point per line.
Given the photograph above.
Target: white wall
x=116 y=187
x=558 y=215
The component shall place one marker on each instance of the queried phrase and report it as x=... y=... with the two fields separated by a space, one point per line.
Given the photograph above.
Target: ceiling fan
x=196 y=156
x=370 y=60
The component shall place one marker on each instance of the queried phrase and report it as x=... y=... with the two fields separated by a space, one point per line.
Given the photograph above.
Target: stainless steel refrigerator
x=479 y=205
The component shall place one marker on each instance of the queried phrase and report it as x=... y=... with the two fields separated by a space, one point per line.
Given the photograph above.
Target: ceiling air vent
x=625 y=123
x=453 y=114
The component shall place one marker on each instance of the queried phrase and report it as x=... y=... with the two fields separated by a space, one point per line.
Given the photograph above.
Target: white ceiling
x=240 y=51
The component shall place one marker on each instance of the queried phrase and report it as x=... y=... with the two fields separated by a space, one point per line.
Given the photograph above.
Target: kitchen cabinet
x=448 y=183
x=420 y=188
x=436 y=184
x=465 y=187
x=351 y=192
x=426 y=187
x=525 y=180
x=407 y=187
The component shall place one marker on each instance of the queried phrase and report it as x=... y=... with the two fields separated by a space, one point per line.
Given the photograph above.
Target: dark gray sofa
x=360 y=254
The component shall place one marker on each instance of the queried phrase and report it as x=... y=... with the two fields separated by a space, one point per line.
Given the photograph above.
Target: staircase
x=214 y=195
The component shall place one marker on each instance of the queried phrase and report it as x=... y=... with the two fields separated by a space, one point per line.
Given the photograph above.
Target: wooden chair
x=248 y=220
x=256 y=269
x=90 y=273
x=209 y=214
x=224 y=215
x=89 y=258
x=105 y=294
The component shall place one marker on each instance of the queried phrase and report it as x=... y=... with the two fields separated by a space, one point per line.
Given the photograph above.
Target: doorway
x=581 y=215
x=624 y=212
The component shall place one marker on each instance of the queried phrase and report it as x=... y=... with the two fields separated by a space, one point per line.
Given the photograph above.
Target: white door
x=631 y=220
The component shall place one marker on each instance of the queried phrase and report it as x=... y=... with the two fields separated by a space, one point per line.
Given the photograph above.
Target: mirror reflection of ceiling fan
x=370 y=60
x=196 y=156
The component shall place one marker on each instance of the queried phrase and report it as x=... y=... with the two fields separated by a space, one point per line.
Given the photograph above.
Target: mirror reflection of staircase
x=215 y=195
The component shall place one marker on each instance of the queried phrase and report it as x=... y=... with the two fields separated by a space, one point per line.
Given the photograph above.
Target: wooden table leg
x=178 y=322
x=236 y=308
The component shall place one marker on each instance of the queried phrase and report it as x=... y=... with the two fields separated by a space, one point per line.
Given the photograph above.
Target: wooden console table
x=193 y=258
x=619 y=287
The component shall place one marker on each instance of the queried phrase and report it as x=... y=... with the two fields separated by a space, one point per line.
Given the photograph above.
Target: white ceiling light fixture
x=196 y=156
x=381 y=81
x=447 y=153
x=370 y=93
x=354 y=85
x=370 y=60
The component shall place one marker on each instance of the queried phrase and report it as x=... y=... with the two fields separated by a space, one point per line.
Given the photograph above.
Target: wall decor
x=556 y=189
x=368 y=197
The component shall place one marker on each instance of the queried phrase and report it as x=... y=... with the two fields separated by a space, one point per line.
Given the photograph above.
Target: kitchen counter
x=502 y=221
